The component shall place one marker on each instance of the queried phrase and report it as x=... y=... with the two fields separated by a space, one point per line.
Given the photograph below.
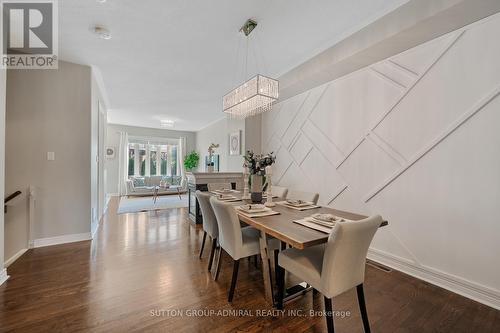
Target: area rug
x=144 y=204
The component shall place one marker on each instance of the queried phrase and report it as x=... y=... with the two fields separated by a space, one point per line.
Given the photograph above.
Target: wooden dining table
x=282 y=227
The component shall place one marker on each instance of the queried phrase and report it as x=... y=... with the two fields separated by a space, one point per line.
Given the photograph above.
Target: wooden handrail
x=9 y=198
x=12 y=196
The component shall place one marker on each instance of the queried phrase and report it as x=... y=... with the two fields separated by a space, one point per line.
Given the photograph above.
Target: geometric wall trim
x=381 y=141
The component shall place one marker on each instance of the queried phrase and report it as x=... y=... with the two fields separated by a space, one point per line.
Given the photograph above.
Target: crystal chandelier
x=253 y=96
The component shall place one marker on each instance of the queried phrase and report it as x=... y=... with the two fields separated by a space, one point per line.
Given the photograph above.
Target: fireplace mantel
x=198 y=181
x=214 y=177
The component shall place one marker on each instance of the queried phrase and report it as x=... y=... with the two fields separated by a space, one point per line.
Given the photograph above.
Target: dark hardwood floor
x=142 y=273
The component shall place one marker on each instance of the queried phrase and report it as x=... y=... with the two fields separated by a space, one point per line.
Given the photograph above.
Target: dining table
x=282 y=227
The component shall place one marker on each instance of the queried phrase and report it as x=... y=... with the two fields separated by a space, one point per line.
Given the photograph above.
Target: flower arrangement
x=256 y=163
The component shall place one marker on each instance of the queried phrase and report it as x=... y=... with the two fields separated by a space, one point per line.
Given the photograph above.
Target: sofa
x=145 y=185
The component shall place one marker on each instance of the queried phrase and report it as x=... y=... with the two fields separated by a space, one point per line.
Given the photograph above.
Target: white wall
x=3 y=271
x=414 y=138
x=219 y=131
x=113 y=140
x=98 y=137
x=49 y=111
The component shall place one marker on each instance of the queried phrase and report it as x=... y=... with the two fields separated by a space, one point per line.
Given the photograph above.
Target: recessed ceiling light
x=101 y=1
x=166 y=123
x=102 y=33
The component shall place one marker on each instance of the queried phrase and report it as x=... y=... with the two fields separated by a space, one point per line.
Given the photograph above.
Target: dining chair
x=279 y=191
x=209 y=224
x=335 y=267
x=218 y=186
x=238 y=242
x=305 y=196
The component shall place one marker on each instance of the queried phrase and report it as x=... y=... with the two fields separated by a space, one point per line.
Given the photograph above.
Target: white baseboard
x=474 y=291
x=16 y=256
x=3 y=276
x=40 y=242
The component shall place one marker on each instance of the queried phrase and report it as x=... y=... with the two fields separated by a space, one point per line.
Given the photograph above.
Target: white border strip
x=40 y=242
x=3 y=276
x=474 y=291
x=16 y=256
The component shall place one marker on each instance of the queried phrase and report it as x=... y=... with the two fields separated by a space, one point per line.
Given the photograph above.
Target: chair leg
x=179 y=193
x=280 y=282
x=212 y=253
x=203 y=243
x=362 y=307
x=218 y=264
x=233 y=280
x=329 y=314
x=276 y=253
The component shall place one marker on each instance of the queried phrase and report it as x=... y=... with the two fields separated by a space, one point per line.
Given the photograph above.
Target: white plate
x=255 y=208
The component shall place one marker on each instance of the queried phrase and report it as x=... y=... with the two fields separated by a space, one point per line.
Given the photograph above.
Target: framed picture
x=235 y=143
x=110 y=153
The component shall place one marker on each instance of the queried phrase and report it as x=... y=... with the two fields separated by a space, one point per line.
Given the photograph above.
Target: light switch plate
x=51 y=156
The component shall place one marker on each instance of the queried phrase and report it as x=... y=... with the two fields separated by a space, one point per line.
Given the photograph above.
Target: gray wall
x=49 y=110
x=113 y=140
x=218 y=132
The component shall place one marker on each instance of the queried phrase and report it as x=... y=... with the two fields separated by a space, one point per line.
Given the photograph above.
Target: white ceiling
x=175 y=59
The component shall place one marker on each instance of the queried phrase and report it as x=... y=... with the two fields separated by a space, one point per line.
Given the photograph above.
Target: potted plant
x=191 y=160
x=256 y=165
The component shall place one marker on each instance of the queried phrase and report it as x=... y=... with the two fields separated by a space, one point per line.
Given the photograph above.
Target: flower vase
x=256 y=183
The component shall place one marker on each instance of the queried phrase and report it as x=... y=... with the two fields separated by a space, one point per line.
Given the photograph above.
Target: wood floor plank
x=142 y=265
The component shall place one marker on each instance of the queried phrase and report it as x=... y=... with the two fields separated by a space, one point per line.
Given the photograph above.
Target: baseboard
x=16 y=256
x=3 y=276
x=474 y=291
x=40 y=242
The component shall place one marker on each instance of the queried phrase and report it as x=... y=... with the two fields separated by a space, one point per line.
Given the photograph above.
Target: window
x=152 y=157
x=131 y=155
x=142 y=160
x=152 y=162
x=173 y=165
x=164 y=162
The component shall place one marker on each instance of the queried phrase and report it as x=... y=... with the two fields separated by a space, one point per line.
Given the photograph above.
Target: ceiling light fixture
x=166 y=123
x=102 y=32
x=254 y=96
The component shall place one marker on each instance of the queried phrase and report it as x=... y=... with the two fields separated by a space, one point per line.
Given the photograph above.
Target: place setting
x=224 y=191
x=321 y=222
x=227 y=197
x=255 y=210
x=299 y=205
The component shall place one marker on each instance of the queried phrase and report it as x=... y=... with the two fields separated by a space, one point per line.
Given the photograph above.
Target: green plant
x=191 y=160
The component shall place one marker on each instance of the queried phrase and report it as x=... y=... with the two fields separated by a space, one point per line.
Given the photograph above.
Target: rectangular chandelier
x=252 y=97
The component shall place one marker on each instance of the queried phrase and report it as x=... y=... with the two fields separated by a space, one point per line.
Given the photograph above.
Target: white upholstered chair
x=209 y=224
x=179 y=188
x=279 y=191
x=335 y=267
x=305 y=196
x=238 y=242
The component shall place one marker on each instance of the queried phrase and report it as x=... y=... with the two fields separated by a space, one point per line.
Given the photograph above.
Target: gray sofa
x=145 y=185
